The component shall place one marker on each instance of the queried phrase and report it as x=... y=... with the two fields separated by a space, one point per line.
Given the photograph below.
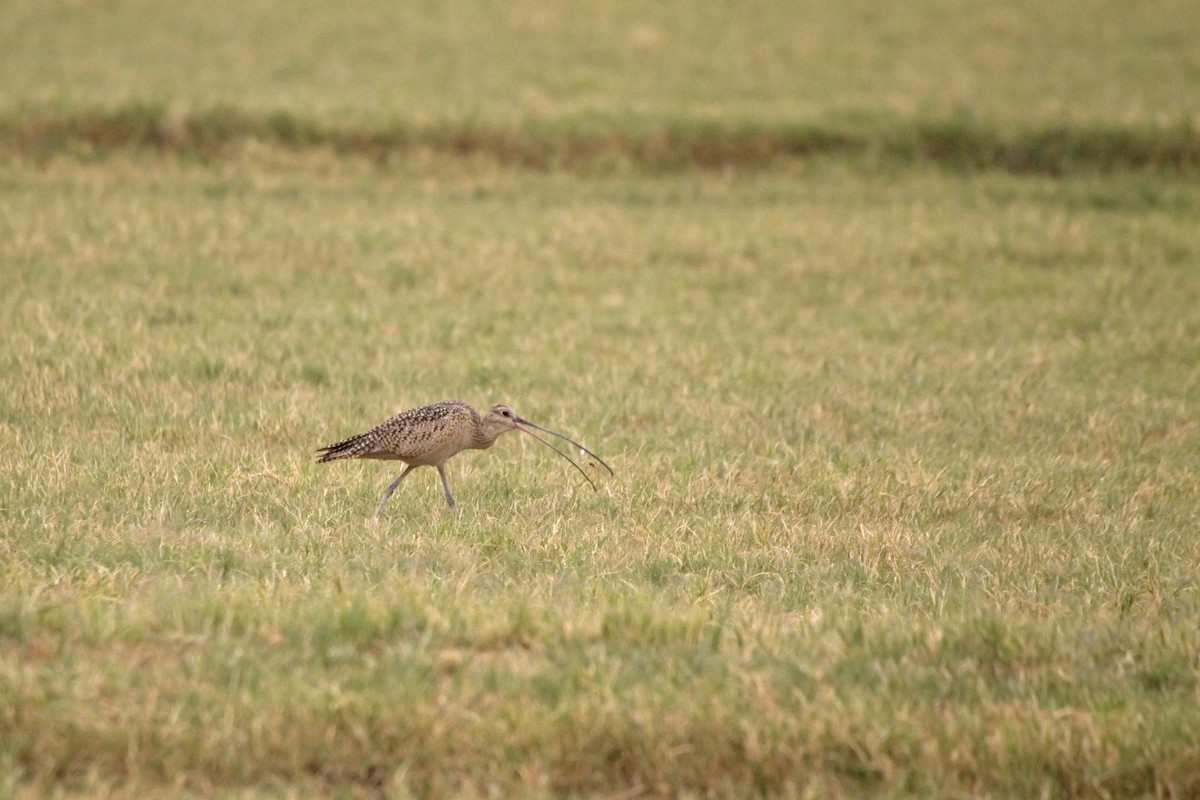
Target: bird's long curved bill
x=521 y=422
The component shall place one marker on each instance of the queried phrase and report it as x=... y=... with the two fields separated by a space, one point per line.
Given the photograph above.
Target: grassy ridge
x=594 y=143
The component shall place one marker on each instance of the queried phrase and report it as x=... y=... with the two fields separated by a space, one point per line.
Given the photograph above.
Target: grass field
x=1021 y=63
x=906 y=441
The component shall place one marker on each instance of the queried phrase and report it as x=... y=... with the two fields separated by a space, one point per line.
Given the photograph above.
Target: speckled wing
x=417 y=436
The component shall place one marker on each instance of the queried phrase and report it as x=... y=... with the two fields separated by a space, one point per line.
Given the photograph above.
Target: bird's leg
x=392 y=488
x=446 y=485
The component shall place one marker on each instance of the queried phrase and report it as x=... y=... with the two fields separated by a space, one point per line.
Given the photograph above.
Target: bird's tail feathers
x=346 y=448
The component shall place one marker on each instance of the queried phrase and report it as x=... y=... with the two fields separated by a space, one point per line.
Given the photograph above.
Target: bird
x=430 y=435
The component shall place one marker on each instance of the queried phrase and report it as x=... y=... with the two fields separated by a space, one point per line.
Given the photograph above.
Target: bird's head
x=500 y=419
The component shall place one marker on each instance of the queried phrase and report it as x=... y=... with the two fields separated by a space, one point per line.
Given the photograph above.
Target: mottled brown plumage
x=430 y=435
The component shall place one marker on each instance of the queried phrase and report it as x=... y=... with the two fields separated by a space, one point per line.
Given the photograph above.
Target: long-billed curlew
x=431 y=435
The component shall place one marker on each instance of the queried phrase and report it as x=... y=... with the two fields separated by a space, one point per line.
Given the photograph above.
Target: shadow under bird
x=431 y=435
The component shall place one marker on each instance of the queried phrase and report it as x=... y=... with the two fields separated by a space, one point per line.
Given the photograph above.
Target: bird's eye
x=506 y=413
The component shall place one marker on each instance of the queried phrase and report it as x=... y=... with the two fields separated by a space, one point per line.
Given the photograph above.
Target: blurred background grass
x=1016 y=65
